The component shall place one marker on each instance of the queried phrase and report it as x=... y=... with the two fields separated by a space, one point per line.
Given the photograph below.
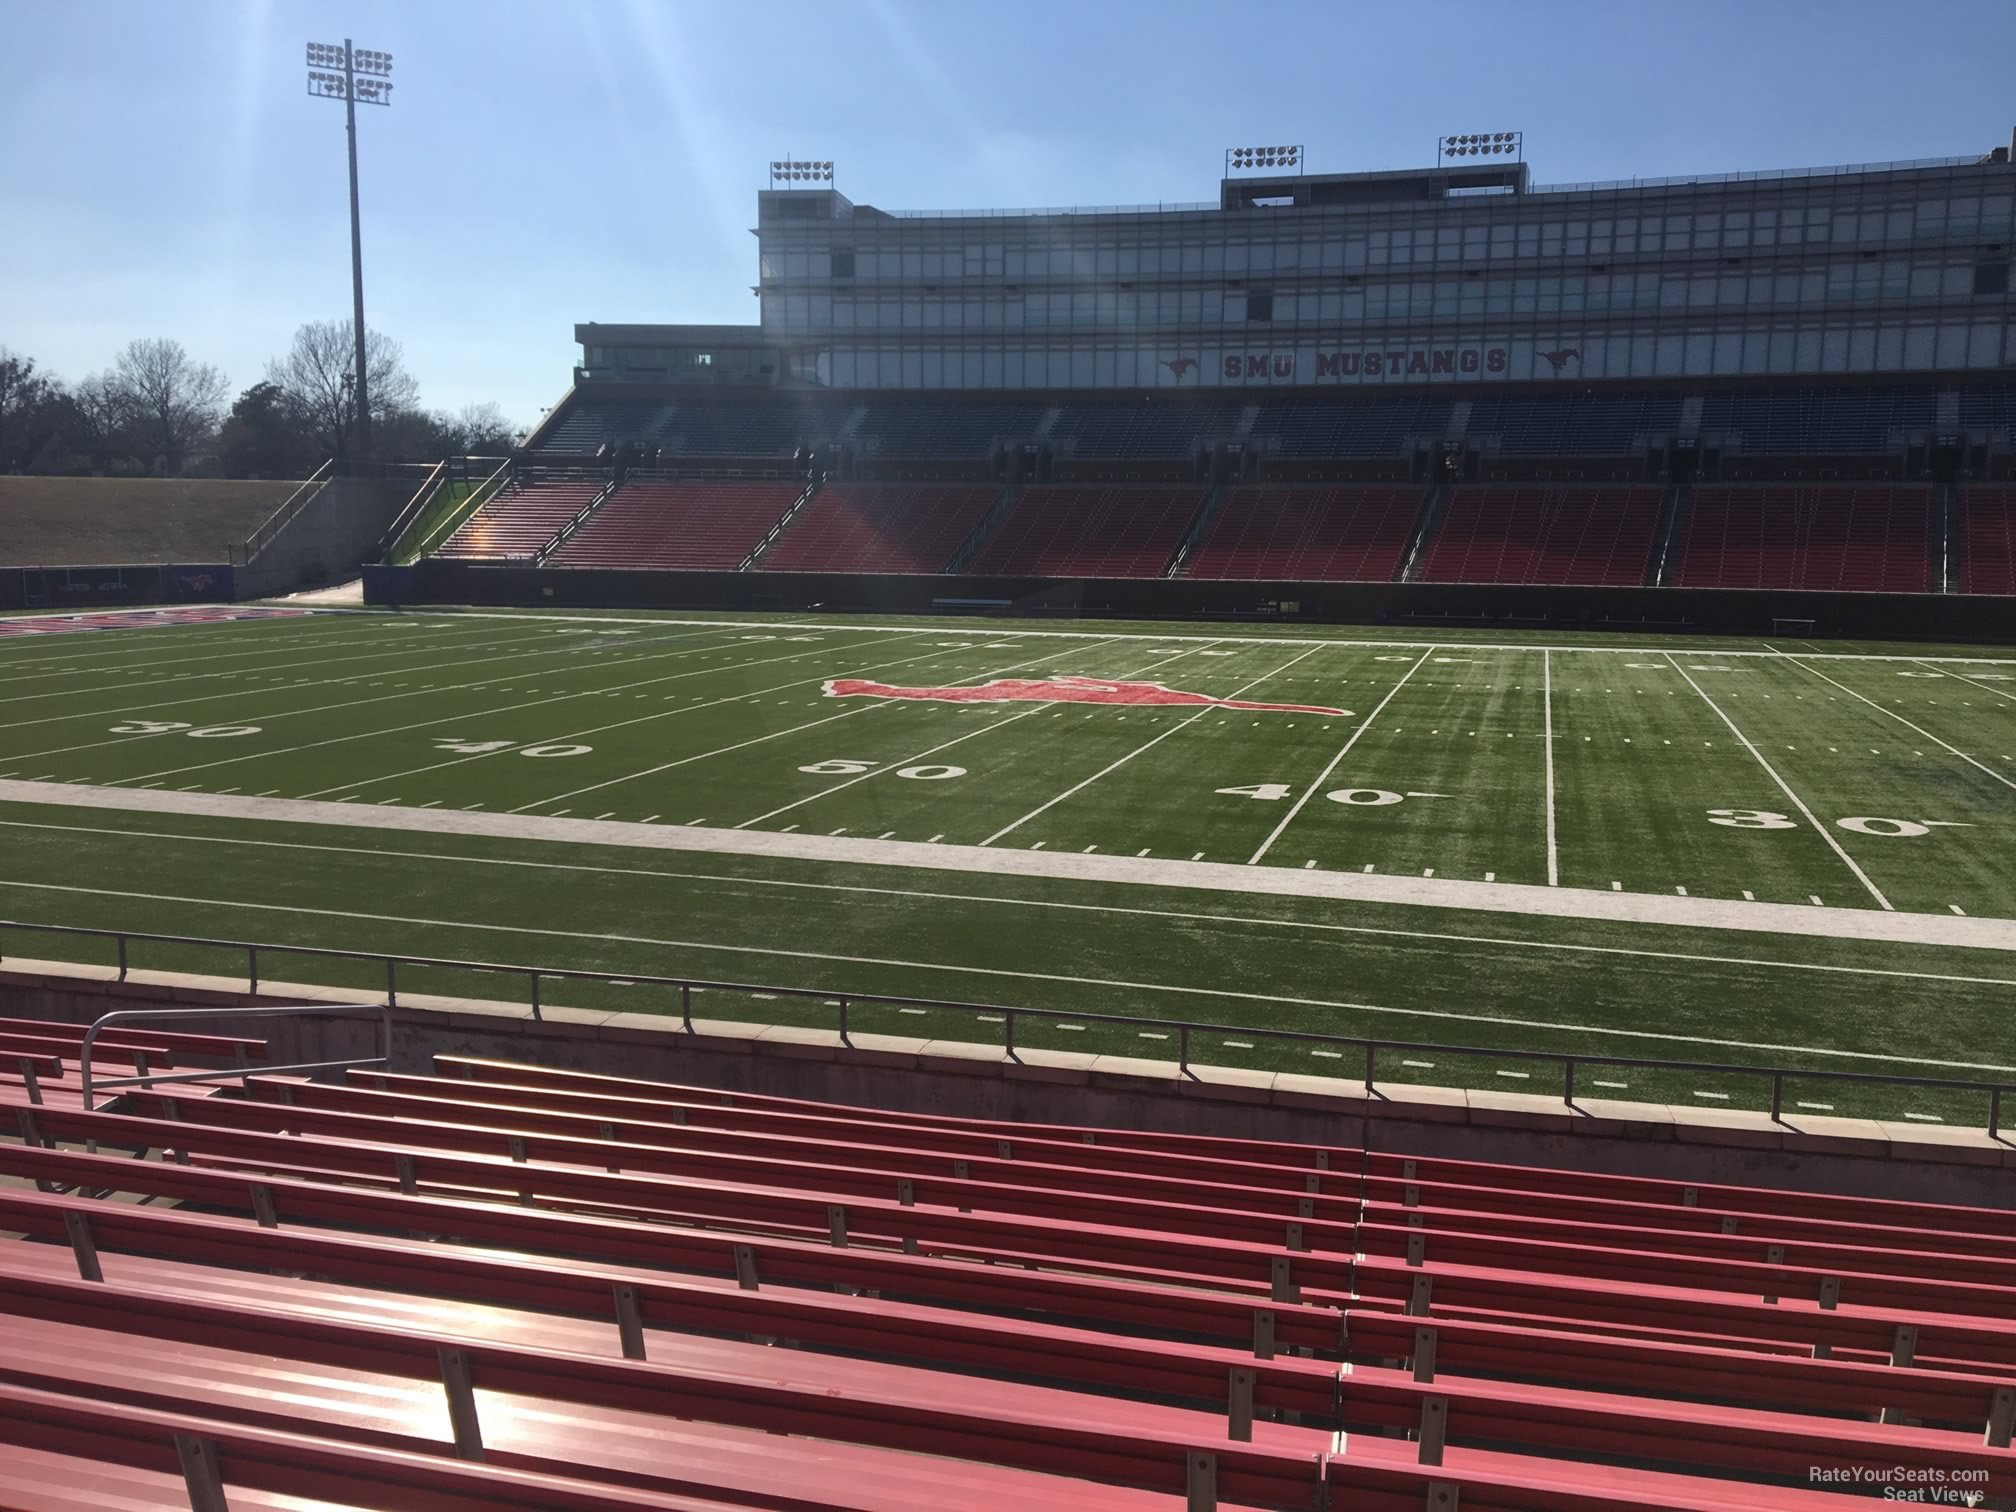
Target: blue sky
x=162 y=172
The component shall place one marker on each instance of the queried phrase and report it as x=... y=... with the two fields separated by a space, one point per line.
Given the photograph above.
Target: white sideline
x=1210 y=876
x=995 y=631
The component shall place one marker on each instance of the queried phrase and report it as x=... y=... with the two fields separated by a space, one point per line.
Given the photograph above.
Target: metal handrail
x=151 y=1078
x=243 y=554
x=1009 y=1016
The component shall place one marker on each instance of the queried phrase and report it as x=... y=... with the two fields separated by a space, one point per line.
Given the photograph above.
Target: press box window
x=843 y=264
x=1259 y=306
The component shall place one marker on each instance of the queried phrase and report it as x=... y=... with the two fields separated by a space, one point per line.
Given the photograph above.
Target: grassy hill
x=59 y=522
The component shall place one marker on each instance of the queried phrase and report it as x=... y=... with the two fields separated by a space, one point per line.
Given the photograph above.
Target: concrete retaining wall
x=1806 y=1153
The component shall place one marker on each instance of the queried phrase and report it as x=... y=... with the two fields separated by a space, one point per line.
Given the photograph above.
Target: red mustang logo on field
x=1089 y=690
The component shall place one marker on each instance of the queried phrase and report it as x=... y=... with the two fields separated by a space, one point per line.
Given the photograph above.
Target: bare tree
x=175 y=403
x=22 y=396
x=481 y=429
x=102 y=420
x=322 y=356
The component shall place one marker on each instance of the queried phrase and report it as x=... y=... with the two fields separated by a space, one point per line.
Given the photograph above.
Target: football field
x=1779 y=853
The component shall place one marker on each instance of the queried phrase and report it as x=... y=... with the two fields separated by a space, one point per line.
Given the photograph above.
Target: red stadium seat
x=1089 y=532
x=1556 y=535
x=639 y=1294
x=1856 y=538
x=880 y=527
x=1986 y=542
x=690 y=526
x=1308 y=534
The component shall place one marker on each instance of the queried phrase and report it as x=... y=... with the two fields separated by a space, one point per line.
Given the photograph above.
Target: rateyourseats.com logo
x=1926 y=1485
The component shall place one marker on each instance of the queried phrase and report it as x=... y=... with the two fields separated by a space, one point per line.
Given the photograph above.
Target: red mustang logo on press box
x=1089 y=690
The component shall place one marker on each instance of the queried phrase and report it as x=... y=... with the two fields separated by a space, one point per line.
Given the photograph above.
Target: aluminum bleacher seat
x=519 y=521
x=1117 y=531
x=596 y=420
x=1376 y=425
x=1141 y=428
x=1987 y=538
x=1308 y=534
x=979 y=1313
x=1816 y=421
x=771 y=427
x=945 y=430
x=692 y=526
x=1852 y=537
x=880 y=527
x=1560 y=425
x=1542 y=534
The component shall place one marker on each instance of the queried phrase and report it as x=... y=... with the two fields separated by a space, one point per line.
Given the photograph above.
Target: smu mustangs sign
x=1366 y=362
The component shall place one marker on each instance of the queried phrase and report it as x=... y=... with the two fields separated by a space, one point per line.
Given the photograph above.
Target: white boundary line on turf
x=1323 y=777
x=1966 y=679
x=773 y=735
x=932 y=624
x=902 y=761
x=728 y=880
x=375 y=634
x=1183 y=989
x=1968 y=932
x=1182 y=724
x=1786 y=788
x=1816 y=672
x=294 y=685
x=326 y=707
x=1547 y=684
x=742 y=696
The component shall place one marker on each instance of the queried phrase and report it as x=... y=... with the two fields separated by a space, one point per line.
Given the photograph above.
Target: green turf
x=714 y=720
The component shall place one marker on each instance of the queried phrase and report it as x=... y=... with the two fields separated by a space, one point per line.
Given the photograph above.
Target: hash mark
x=1717 y=1096
x=1749 y=896
x=1958 y=909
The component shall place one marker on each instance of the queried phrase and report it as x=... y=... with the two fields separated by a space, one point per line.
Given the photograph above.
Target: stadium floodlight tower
x=1488 y=144
x=324 y=82
x=1262 y=159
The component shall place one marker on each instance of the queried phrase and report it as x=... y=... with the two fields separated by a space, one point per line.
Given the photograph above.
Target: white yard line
x=1786 y=788
x=1185 y=989
x=1547 y=684
x=903 y=761
x=1181 y=724
x=470 y=714
x=122 y=670
x=740 y=745
x=299 y=685
x=1815 y=671
x=1149 y=633
x=1968 y=680
x=740 y=696
x=1208 y=876
x=1324 y=776
x=359 y=703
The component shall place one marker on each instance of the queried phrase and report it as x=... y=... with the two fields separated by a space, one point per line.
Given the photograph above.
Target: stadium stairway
x=506 y=1285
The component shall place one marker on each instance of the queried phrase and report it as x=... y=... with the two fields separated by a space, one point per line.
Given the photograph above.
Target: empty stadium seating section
x=515 y=1286
x=693 y=526
x=522 y=518
x=1308 y=534
x=1544 y=535
x=1121 y=531
x=1987 y=539
x=1858 y=538
x=1321 y=521
x=880 y=527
